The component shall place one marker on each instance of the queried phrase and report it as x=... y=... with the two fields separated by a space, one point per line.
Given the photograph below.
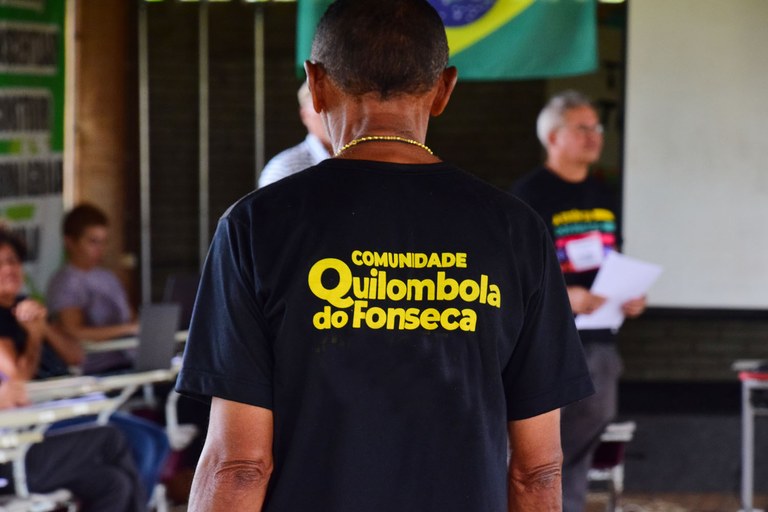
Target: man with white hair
x=581 y=214
x=311 y=151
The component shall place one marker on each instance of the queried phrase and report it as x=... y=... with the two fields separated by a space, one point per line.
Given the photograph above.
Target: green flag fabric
x=500 y=39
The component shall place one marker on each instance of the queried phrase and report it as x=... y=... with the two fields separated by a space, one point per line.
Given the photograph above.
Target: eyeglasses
x=583 y=129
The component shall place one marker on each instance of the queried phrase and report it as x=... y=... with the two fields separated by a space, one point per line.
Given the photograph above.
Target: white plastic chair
x=608 y=462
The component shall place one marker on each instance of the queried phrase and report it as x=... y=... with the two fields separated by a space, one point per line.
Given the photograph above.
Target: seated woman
x=26 y=335
x=39 y=349
x=87 y=300
x=94 y=463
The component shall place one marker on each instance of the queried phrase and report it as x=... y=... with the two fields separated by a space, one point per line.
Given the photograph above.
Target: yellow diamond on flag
x=462 y=37
x=498 y=39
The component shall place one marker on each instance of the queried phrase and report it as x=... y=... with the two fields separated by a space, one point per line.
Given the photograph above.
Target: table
x=22 y=427
x=66 y=387
x=68 y=397
x=125 y=343
x=127 y=383
x=753 y=374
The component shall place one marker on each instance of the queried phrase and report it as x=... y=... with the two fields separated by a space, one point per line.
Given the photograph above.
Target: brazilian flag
x=500 y=39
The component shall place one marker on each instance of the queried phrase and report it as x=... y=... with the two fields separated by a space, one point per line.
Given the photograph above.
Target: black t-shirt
x=51 y=365
x=582 y=220
x=10 y=328
x=394 y=318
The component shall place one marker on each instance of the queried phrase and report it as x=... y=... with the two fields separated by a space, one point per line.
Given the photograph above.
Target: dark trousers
x=583 y=422
x=93 y=462
x=147 y=441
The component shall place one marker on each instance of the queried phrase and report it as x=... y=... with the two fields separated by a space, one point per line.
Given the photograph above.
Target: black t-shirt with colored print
x=394 y=318
x=581 y=217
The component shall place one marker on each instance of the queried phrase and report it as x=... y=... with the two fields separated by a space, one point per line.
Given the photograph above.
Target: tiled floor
x=656 y=503
x=675 y=503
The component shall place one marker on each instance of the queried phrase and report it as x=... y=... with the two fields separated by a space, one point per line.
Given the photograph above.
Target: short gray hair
x=392 y=48
x=552 y=115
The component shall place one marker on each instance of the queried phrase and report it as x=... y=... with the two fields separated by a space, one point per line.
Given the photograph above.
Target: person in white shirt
x=311 y=151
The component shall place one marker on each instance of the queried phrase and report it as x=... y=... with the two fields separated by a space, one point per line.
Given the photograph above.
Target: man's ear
x=445 y=86
x=551 y=138
x=316 y=78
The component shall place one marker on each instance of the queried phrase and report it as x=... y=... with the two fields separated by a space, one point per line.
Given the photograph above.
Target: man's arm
x=583 y=301
x=30 y=315
x=68 y=348
x=12 y=393
x=634 y=308
x=535 y=466
x=236 y=462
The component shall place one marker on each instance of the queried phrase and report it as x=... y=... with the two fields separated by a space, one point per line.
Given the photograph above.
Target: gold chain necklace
x=387 y=138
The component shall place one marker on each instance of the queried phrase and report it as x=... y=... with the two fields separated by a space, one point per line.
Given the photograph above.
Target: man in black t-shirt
x=581 y=214
x=374 y=331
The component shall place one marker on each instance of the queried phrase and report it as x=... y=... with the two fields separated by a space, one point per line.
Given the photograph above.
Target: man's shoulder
x=600 y=185
x=267 y=202
x=104 y=275
x=287 y=162
x=503 y=197
x=519 y=215
x=290 y=154
x=334 y=177
x=68 y=280
x=63 y=277
x=529 y=181
x=67 y=285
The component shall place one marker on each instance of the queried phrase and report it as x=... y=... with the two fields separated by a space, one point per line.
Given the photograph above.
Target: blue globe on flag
x=456 y=13
x=497 y=39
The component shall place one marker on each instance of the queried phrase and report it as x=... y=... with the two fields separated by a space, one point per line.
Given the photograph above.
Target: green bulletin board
x=32 y=129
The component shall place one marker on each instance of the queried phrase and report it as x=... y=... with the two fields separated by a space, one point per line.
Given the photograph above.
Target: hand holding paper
x=619 y=280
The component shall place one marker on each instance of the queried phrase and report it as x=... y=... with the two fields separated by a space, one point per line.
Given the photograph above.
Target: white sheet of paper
x=619 y=279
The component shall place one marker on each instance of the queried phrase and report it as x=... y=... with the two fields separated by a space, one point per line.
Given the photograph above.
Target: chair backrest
x=624 y=431
x=182 y=289
x=158 y=324
x=613 y=441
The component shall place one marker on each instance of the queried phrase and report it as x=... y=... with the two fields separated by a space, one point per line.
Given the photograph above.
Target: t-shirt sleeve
x=547 y=369
x=228 y=352
x=65 y=291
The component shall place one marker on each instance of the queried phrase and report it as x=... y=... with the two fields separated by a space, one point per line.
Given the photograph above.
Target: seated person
x=87 y=300
x=25 y=335
x=41 y=349
x=92 y=462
